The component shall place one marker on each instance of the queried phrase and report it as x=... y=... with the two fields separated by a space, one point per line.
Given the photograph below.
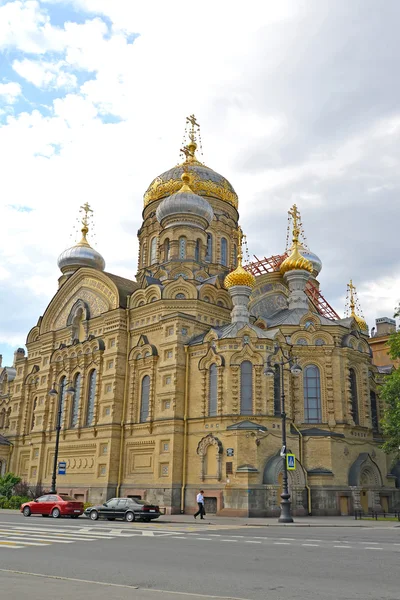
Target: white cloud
x=274 y=92
x=10 y=92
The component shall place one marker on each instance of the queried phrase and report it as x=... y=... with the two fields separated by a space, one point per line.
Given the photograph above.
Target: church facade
x=160 y=381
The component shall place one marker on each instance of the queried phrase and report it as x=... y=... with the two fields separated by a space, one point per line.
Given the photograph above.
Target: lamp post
x=53 y=392
x=295 y=369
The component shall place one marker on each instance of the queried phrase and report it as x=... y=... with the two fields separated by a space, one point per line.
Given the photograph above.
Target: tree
x=390 y=393
x=7 y=483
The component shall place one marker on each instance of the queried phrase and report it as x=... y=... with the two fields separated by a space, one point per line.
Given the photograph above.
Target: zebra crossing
x=16 y=537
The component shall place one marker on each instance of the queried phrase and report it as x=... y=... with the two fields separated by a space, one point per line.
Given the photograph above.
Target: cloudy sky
x=298 y=101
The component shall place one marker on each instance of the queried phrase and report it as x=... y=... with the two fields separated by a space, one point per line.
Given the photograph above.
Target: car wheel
x=55 y=513
x=129 y=516
x=94 y=515
x=27 y=511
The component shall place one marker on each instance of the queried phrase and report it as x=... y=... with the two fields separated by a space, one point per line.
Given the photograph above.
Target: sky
x=298 y=101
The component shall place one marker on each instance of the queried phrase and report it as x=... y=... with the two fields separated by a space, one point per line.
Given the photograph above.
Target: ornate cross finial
x=294 y=213
x=352 y=304
x=85 y=222
x=192 y=133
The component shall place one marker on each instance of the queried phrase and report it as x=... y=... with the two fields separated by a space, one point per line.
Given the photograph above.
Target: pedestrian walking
x=200 y=502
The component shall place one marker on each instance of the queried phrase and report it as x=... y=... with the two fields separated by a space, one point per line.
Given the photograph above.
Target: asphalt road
x=47 y=558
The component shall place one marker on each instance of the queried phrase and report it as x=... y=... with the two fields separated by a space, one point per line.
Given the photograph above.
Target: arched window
x=353 y=396
x=2 y=418
x=224 y=252
x=180 y=296
x=277 y=390
x=91 y=397
x=153 y=250
x=75 y=400
x=182 y=247
x=374 y=411
x=197 y=251
x=33 y=413
x=144 y=399
x=166 y=249
x=209 y=248
x=234 y=255
x=62 y=388
x=312 y=395
x=212 y=406
x=246 y=388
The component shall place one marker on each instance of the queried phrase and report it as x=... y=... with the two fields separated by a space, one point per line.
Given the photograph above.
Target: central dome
x=204 y=182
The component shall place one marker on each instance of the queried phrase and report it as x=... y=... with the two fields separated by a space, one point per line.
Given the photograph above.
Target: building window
x=164 y=470
x=45 y=361
x=108 y=388
x=168 y=354
x=277 y=390
x=209 y=248
x=91 y=397
x=246 y=388
x=224 y=252
x=182 y=247
x=166 y=249
x=43 y=379
x=170 y=331
x=110 y=364
x=167 y=404
x=75 y=400
x=164 y=446
x=213 y=395
x=167 y=380
x=353 y=396
x=145 y=395
x=197 y=251
x=33 y=413
x=180 y=297
x=312 y=395
x=111 y=343
x=319 y=342
x=374 y=411
x=104 y=449
x=301 y=342
x=102 y=470
x=106 y=411
x=36 y=453
x=184 y=330
x=153 y=250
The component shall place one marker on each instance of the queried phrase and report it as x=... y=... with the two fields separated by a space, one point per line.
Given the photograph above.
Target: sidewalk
x=260 y=522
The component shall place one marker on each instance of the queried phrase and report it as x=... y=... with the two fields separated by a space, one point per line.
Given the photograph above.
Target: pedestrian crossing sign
x=291 y=462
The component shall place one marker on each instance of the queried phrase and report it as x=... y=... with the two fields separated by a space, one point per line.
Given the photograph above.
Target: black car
x=128 y=509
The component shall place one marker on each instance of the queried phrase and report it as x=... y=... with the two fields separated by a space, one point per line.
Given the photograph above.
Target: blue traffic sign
x=291 y=462
x=62 y=468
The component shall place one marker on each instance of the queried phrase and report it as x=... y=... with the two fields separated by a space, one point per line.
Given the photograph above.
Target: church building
x=160 y=383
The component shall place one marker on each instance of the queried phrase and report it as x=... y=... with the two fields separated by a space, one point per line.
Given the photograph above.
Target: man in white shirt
x=200 y=502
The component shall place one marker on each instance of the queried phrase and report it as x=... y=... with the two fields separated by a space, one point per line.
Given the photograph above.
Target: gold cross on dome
x=192 y=121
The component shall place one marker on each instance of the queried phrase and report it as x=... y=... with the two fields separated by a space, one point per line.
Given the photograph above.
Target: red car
x=55 y=505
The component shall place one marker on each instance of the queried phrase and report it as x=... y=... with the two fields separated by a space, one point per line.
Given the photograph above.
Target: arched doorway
x=273 y=481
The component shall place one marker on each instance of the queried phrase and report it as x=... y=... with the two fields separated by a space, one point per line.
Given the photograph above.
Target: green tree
x=390 y=393
x=7 y=483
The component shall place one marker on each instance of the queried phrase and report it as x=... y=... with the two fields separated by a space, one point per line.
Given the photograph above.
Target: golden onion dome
x=296 y=261
x=239 y=277
x=204 y=182
x=360 y=322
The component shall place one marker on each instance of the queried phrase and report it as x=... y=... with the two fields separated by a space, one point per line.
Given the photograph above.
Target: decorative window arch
x=153 y=250
x=301 y=342
x=144 y=399
x=209 y=252
x=33 y=413
x=75 y=400
x=182 y=247
x=166 y=249
x=197 y=251
x=353 y=397
x=277 y=390
x=312 y=394
x=62 y=388
x=246 y=388
x=319 y=342
x=224 y=252
x=203 y=449
x=180 y=296
x=91 y=397
x=213 y=391
x=374 y=411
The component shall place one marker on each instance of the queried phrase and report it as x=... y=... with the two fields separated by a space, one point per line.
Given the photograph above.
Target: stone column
x=297 y=280
x=240 y=295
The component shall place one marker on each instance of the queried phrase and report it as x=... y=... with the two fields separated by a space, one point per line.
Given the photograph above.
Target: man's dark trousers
x=201 y=510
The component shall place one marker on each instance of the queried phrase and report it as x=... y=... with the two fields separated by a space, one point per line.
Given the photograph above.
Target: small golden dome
x=360 y=322
x=296 y=261
x=240 y=277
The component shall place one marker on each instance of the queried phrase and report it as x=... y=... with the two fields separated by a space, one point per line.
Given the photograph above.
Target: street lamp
x=295 y=369
x=70 y=390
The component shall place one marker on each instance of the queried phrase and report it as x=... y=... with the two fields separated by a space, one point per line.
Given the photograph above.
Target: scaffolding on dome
x=272 y=264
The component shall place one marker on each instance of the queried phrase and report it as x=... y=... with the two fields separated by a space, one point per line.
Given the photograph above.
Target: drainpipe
x=185 y=430
x=301 y=451
x=125 y=401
